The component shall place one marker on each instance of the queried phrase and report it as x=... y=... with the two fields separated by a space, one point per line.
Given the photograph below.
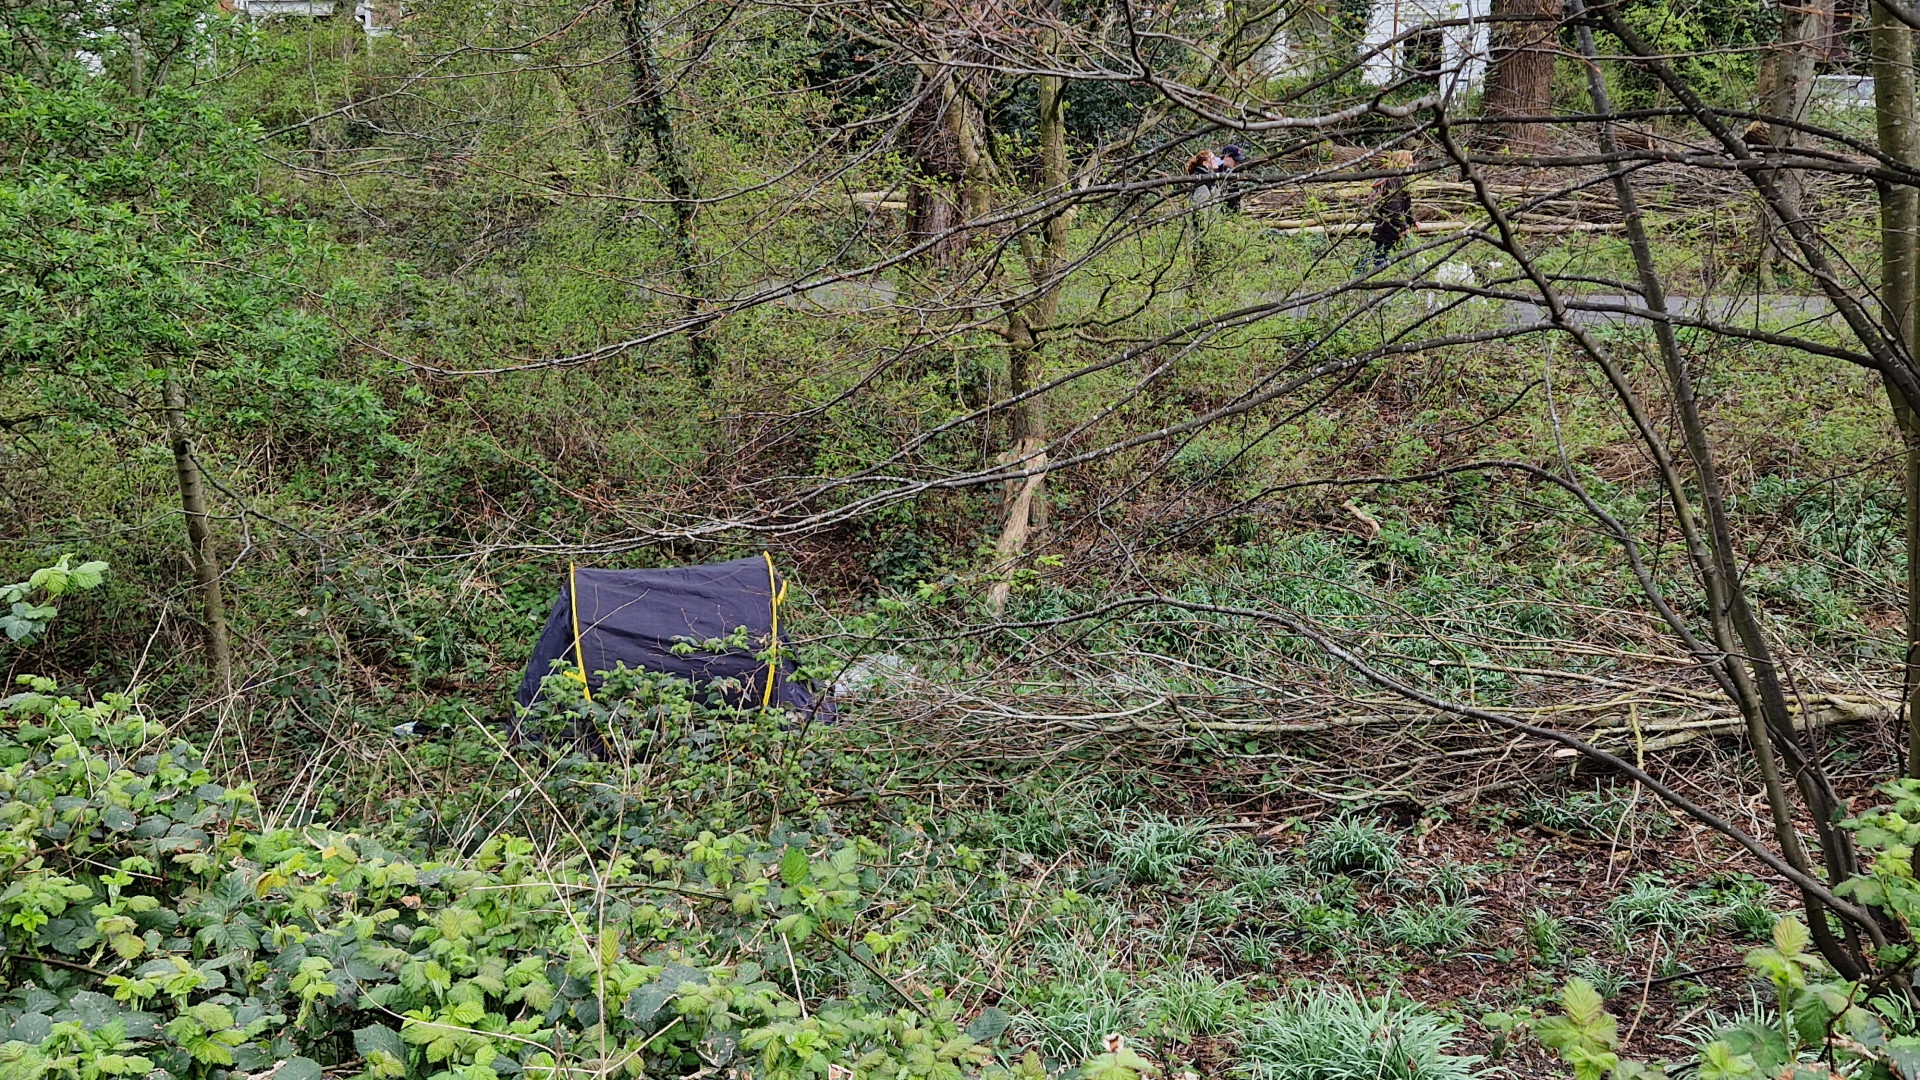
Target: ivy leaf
x=32 y=1028
x=717 y=1049
x=374 y=1037
x=95 y=1011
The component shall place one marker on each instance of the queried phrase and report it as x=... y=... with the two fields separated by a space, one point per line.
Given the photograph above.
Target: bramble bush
x=157 y=925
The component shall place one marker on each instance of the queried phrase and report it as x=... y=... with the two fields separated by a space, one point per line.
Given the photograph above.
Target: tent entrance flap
x=604 y=618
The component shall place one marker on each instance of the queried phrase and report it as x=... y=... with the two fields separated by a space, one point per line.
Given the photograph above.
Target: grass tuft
x=1651 y=904
x=1597 y=814
x=1430 y=928
x=1349 y=845
x=1336 y=1035
x=1548 y=933
x=1155 y=851
x=1608 y=981
x=1188 y=1004
x=1071 y=1018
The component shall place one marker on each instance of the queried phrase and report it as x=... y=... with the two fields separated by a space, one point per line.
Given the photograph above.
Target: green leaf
x=375 y=1037
x=1790 y=936
x=1761 y=1044
x=1719 y=1062
x=988 y=1025
x=298 y=1068
x=645 y=1001
x=419 y=1031
x=211 y=1016
x=87 y=575
x=1588 y=1011
x=1591 y=1064
x=793 y=866
x=384 y=1066
x=1903 y=1054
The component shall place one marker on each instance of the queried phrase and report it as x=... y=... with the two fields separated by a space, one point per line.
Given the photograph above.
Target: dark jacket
x=1392 y=211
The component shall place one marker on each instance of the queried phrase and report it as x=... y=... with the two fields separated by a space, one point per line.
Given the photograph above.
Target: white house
x=1441 y=41
x=377 y=17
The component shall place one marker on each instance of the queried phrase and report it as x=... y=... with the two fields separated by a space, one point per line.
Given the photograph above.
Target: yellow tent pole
x=776 y=592
x=579 y=654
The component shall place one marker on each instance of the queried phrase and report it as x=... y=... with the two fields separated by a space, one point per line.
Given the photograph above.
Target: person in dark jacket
x=1231 y=156
x=1392 y=209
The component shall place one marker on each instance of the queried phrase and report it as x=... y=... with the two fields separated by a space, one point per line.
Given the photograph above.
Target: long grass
x=1337 y=1035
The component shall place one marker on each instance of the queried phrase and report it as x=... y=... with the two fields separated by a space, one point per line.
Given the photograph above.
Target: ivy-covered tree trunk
x=193 y=504
x=652 y=122
x=937 y=136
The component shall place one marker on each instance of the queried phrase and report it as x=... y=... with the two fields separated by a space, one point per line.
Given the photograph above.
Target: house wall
x=1464 y=48
x=1383 y=50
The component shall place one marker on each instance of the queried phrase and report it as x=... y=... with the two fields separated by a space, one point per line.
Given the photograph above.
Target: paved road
x=1772 y=309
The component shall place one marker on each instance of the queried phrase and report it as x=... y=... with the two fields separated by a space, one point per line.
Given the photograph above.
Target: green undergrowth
x=677 y=900
x=658 y=882
x=1471 y=590
x=155 y=926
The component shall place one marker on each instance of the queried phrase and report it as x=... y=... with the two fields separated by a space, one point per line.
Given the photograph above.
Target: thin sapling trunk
x=193 y=504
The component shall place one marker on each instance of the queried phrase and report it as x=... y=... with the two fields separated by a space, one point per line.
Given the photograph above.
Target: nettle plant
x=155 y=926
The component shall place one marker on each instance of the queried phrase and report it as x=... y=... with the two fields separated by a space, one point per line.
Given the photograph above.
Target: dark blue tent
x=608 y=617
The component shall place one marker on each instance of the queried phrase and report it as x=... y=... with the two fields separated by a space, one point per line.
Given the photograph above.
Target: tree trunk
x=1894 y=113
x=652 y=121
x=193 y=504
x=1747 y=674
x=1521 y=82
x=1786 y=89
x=934 y=134
x=1026 y=509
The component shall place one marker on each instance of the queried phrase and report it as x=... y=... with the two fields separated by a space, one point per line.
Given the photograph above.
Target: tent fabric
x=633 y=617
